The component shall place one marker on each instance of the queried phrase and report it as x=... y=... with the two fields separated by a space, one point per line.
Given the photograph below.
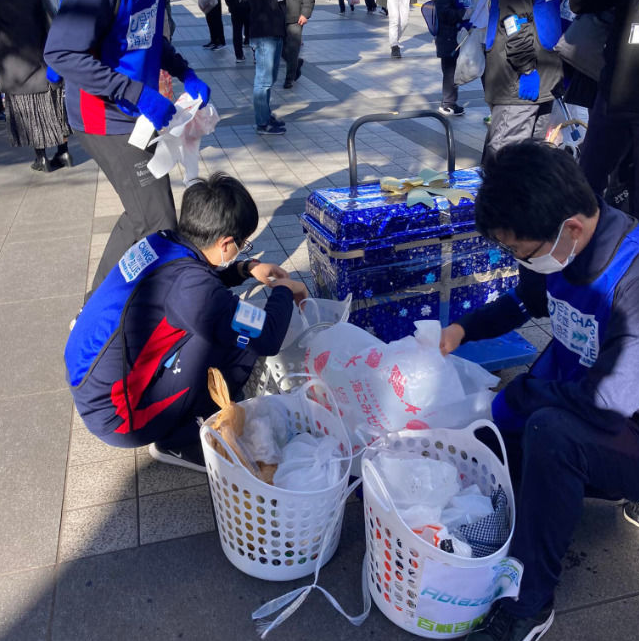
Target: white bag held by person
x=472 y=59
x=384 y=387
x=180 y=139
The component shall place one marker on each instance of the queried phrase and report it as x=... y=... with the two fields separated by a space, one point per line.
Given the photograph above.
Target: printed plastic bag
x=472 y=59
x=381 y=386
x=180 y=140
x=309 y=463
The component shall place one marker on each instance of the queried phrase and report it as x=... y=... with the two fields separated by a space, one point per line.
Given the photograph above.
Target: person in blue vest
x=138 y=354
x=110 y=53
x=571 y=424
x=523 y=73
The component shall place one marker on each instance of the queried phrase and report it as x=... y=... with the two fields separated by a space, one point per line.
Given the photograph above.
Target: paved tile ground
x=99 y=543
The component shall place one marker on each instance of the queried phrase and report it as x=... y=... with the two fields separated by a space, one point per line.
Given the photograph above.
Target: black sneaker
x=190 y=456
x=208 y=45
x=275 y=121
x=395 y=52
x=631 y=513
x=288 y=84
x=499 y=625
x=451 y=110
x=270 y=130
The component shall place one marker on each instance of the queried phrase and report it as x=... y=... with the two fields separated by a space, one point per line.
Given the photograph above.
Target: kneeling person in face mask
x=138 y=354
x=574 y=417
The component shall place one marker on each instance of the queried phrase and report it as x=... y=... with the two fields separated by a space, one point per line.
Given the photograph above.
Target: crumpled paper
x=180 y=139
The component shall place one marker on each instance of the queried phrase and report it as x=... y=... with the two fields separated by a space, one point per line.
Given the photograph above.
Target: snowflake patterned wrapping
x=478 y=255
x=401 y=264
x=465 y=298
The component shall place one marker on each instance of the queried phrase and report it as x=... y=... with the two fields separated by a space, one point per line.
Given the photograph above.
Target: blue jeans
x=267 y=62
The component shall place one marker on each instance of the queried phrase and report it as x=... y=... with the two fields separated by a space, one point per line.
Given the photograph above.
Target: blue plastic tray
x=494 y=354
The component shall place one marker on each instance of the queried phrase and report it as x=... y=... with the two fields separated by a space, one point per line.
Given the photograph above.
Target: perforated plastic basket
x=396 y=556
x=268 y=532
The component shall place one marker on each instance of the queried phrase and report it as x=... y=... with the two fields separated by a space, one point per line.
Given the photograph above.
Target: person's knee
x=550 y=436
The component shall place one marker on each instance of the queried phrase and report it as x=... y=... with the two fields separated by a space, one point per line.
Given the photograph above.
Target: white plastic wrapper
x=179 y=141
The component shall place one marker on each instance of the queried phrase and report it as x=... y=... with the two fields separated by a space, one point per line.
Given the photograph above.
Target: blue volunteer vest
x=133 y=46
x=579 y=316
x=101 y=317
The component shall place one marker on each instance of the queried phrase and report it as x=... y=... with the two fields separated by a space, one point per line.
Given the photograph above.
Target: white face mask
x=225 y=264
x=548 y=264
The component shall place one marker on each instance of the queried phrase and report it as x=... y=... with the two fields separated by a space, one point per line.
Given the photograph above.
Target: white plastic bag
x=180 y=140
x=325 y=310
x=266 y=430
x=472 y=59
x=384 y=387
x=468 y=506
x=417 y=481
x=309 y=463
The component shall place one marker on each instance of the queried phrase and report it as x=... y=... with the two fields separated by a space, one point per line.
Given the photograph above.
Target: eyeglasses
x=510 y=251
x=245 y=248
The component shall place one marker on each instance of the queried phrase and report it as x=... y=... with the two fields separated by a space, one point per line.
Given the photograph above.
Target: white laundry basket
x=419 y=587
x=268 y=532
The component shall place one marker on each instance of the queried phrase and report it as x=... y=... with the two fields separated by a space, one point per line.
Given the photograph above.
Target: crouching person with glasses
x=138 y=354
x=571 y=424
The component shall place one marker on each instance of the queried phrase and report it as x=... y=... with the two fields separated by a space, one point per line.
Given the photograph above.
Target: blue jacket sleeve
x=76 y=32
x=510 y=310
x=202 y=306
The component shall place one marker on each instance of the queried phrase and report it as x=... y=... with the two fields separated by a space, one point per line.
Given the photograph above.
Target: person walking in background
x=239 y=10
x=449 y=15
x=107 y=91
x=268 y=28
x=523 y=73
x=36 y=115
x=216 y=28
x=397 y=23
x=298 y=13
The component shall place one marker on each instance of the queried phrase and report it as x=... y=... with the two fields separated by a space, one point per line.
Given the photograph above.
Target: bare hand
x=451 y=338
x=265 y=271
x=297 y=287
x=302 y=21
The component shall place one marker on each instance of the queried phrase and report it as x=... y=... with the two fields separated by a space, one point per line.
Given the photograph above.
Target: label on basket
x=455 y=599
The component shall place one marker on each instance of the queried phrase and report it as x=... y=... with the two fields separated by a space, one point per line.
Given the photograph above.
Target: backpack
x=430 y=15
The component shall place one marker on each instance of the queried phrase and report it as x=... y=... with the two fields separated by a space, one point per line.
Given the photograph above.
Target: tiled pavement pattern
x=98 y=543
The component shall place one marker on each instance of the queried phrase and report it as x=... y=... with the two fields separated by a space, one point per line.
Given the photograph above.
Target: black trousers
x=291 y=49
x=557 y=458
x=216 y=28
x=449 y=88
x=240 y=21
x=370 y=5
x=608 y=141
x=147 y=201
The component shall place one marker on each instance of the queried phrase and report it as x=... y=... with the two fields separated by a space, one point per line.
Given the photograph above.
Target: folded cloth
x=491 y=532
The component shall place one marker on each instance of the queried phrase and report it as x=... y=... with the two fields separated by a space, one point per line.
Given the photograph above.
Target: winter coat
x=23 y=32
x=449 y=16
x=618 y=84
x=266 y=19
x=297 y=8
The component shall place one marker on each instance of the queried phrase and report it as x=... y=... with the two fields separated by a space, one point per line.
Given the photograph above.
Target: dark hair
x=529 y=189
x=217 y=207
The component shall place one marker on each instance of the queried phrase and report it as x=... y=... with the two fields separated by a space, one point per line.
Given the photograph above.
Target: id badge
x=248 y=322
x=511 y=24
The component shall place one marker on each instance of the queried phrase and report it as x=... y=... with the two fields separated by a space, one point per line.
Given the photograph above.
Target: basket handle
x=484 y=422
x=368 y=468
x=232 y=455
